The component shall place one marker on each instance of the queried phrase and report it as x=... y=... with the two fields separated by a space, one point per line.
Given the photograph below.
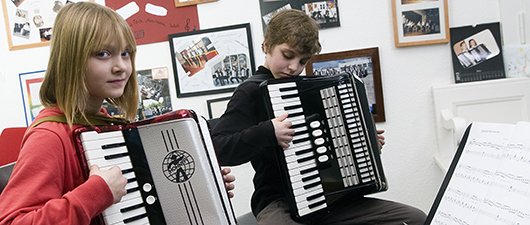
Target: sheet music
x=491 y=181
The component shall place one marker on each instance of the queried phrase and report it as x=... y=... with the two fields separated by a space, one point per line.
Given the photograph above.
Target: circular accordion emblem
x=178 y=166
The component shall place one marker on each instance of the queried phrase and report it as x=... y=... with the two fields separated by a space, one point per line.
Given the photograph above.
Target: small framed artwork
x=216 y=107
x=211 y=61
x=420 y=22
x=30 y=84
x=182 y=3
x=364 y=63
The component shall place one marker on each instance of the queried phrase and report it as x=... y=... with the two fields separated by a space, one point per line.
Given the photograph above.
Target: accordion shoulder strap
x=88 y=120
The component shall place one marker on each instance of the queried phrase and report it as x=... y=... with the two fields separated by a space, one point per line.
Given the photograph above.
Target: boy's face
x=284 y=61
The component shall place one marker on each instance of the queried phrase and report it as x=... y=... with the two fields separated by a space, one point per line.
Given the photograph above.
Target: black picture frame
x=368 y=61
x=197 y=55
x=217 y=106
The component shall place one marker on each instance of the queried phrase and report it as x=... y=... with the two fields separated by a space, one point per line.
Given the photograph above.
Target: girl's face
x=284 y=61
x=108 y=71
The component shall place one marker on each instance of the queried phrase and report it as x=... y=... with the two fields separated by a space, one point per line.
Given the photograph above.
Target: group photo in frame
x=364 y=63
x=325 y=13
x=420 y=22
x=211 y=61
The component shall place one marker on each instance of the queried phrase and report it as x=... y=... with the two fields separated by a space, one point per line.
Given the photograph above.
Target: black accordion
x=172 y=170
x=335 y=149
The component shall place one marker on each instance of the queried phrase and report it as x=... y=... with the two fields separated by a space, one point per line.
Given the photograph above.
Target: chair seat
x=5 y=173
x=247 y=219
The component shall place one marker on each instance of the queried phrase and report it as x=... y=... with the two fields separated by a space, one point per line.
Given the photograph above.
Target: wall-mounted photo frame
x=364 y=63
x=325 y=13
x=217 y=106
x=30 y=84
x=420 y=22
x=182 y=3
x=211 y=61
x=29 y=23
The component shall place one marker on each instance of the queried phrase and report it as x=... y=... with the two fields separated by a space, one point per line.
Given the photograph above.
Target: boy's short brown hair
x=294 y=28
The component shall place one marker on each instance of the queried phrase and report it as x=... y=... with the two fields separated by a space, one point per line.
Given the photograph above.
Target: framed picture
x=29 y=23
x=364 y=63
x=211 y=61
x=420 y=22
x=30 y=84
x=216 y=107
x=181 y=3
x=325 y=13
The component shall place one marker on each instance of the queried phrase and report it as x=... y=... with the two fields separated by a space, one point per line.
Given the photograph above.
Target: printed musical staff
x=490 y=183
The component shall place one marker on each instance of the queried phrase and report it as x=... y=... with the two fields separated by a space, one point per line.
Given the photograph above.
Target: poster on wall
x=155 y=100
x=29 y=23
x=477 y=52
x=325 y=13
x=152 y=21
x=30 y=84
x=211 y=61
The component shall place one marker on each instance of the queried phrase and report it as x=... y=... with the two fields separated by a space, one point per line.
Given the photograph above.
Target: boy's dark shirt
x=245 y=133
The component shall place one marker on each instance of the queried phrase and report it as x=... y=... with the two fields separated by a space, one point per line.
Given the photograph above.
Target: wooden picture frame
x=420 y=22
x=211 y=61
x=182 y=3
x=363 y=62
x=29 y=23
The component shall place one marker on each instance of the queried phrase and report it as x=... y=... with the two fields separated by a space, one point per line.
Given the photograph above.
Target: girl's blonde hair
x=81 y=29
x=294 y=28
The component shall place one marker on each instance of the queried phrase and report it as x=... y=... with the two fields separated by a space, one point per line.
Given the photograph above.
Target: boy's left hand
x=228 y=179
x=381 y=138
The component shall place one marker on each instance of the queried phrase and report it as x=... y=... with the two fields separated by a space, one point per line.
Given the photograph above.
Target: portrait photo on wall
x=325 y=13
x=363 y=63
x=477 y=53
x=211 y=61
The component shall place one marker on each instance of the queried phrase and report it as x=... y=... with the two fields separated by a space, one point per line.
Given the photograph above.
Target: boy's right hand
x=114 y=179
x=284 y=135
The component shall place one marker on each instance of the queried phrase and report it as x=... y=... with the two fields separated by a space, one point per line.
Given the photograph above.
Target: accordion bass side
x=172 y=170
x=335 y=148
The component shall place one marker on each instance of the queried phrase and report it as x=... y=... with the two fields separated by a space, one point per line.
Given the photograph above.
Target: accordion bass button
x=314 y=124
x=323 y=158
x=319 y=141
x=322 y=149
x=150 y=199
x=147 y=187
x=317 y=133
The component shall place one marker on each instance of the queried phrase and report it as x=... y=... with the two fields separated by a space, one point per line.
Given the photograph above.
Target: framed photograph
x=325 y=13
x=29 y=23
x=181 y=3
x=364 y=63
x=30 y=84
x=216 y=107
x=211 y=61
x=155 y=100
x=420 y=22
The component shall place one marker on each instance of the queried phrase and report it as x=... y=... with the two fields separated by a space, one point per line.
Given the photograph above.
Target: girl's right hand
x=114 y=179
x=284 y=135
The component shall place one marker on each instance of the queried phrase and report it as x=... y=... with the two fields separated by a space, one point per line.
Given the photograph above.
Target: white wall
x=407 y=74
